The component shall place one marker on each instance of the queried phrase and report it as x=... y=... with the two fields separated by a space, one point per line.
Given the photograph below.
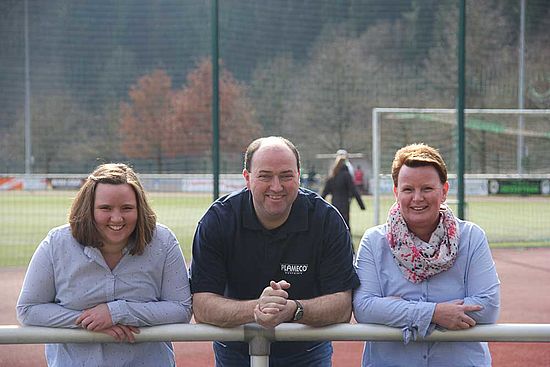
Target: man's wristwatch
x=299 y=311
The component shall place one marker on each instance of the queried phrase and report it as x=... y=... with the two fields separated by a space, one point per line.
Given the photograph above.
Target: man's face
x=274 y=180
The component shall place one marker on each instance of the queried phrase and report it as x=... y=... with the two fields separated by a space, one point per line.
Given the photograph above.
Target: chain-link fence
x=85 y=82
x=130 y=80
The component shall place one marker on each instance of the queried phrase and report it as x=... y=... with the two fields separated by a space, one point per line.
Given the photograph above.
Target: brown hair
x=255 y=145
x=418 y=155
x=81 y=215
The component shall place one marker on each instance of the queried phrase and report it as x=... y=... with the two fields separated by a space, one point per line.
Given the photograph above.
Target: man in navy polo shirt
x=272 y=253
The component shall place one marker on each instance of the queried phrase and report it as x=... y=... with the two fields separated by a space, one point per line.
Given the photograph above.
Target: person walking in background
x=272 y=253
x=112 y=269
x=359 y=180
x=425 y=269
x=342 y=153
x=340 y=186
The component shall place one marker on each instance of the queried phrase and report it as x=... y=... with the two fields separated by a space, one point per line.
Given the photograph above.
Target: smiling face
x=273 y=180
x=420 y=193
x=115 y=214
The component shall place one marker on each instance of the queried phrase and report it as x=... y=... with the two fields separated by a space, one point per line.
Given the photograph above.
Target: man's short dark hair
x=255 y=145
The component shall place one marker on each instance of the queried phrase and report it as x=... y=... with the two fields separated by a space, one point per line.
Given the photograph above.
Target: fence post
x=259 y=344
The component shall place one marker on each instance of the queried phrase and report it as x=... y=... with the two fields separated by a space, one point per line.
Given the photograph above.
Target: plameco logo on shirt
x=294 y=269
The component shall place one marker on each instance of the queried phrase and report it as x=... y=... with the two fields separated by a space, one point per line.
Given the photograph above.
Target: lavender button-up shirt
x=386 y=297
x=64 y=278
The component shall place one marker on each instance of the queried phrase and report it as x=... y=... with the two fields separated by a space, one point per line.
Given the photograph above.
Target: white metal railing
x=259 y=338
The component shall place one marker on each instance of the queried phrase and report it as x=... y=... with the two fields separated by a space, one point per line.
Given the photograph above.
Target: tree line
x=131 y=79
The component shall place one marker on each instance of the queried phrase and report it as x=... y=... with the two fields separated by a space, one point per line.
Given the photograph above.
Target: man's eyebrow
x=280 y=173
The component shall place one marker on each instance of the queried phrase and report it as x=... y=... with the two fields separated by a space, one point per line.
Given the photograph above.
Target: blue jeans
x=318 y=356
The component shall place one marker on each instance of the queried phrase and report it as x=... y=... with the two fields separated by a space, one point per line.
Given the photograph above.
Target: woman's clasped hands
x=99 y=319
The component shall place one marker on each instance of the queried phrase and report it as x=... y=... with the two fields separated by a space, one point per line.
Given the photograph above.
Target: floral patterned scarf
x=417 y=259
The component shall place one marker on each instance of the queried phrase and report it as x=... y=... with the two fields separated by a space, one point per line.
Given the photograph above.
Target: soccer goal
x=499 y=144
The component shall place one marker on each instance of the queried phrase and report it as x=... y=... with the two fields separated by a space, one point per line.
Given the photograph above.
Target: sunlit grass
x=26 y=217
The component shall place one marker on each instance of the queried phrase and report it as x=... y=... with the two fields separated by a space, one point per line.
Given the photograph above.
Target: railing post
x=259 y=344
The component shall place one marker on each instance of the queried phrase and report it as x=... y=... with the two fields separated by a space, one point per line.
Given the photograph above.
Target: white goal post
x=377 y=111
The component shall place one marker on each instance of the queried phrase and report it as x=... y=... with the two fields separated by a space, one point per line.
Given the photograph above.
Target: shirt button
x=424 y=356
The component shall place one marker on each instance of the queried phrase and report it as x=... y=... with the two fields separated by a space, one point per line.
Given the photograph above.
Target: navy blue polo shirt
x=235 y=256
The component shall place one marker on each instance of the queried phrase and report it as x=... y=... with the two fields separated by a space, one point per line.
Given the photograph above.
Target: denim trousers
x=318 y=356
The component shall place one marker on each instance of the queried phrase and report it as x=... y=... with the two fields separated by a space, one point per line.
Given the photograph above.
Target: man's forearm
x=328 y=309
x=211 y=308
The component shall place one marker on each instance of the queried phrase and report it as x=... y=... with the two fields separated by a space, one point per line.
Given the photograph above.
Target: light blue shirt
x=64 y=278
x=472 y=278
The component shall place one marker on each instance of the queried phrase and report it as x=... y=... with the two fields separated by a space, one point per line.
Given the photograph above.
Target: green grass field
x=508 y=221
x=26 y=217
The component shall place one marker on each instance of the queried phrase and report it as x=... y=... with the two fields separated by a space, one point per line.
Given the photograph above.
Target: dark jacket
x=342 y=189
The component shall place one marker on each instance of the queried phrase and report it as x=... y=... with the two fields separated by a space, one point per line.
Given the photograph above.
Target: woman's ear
x=445 y=191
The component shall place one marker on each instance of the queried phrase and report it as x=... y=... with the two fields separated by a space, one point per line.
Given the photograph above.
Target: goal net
x=507 y=163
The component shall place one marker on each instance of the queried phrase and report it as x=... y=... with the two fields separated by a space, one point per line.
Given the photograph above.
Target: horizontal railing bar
x=13 y=334
x=372 y=332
